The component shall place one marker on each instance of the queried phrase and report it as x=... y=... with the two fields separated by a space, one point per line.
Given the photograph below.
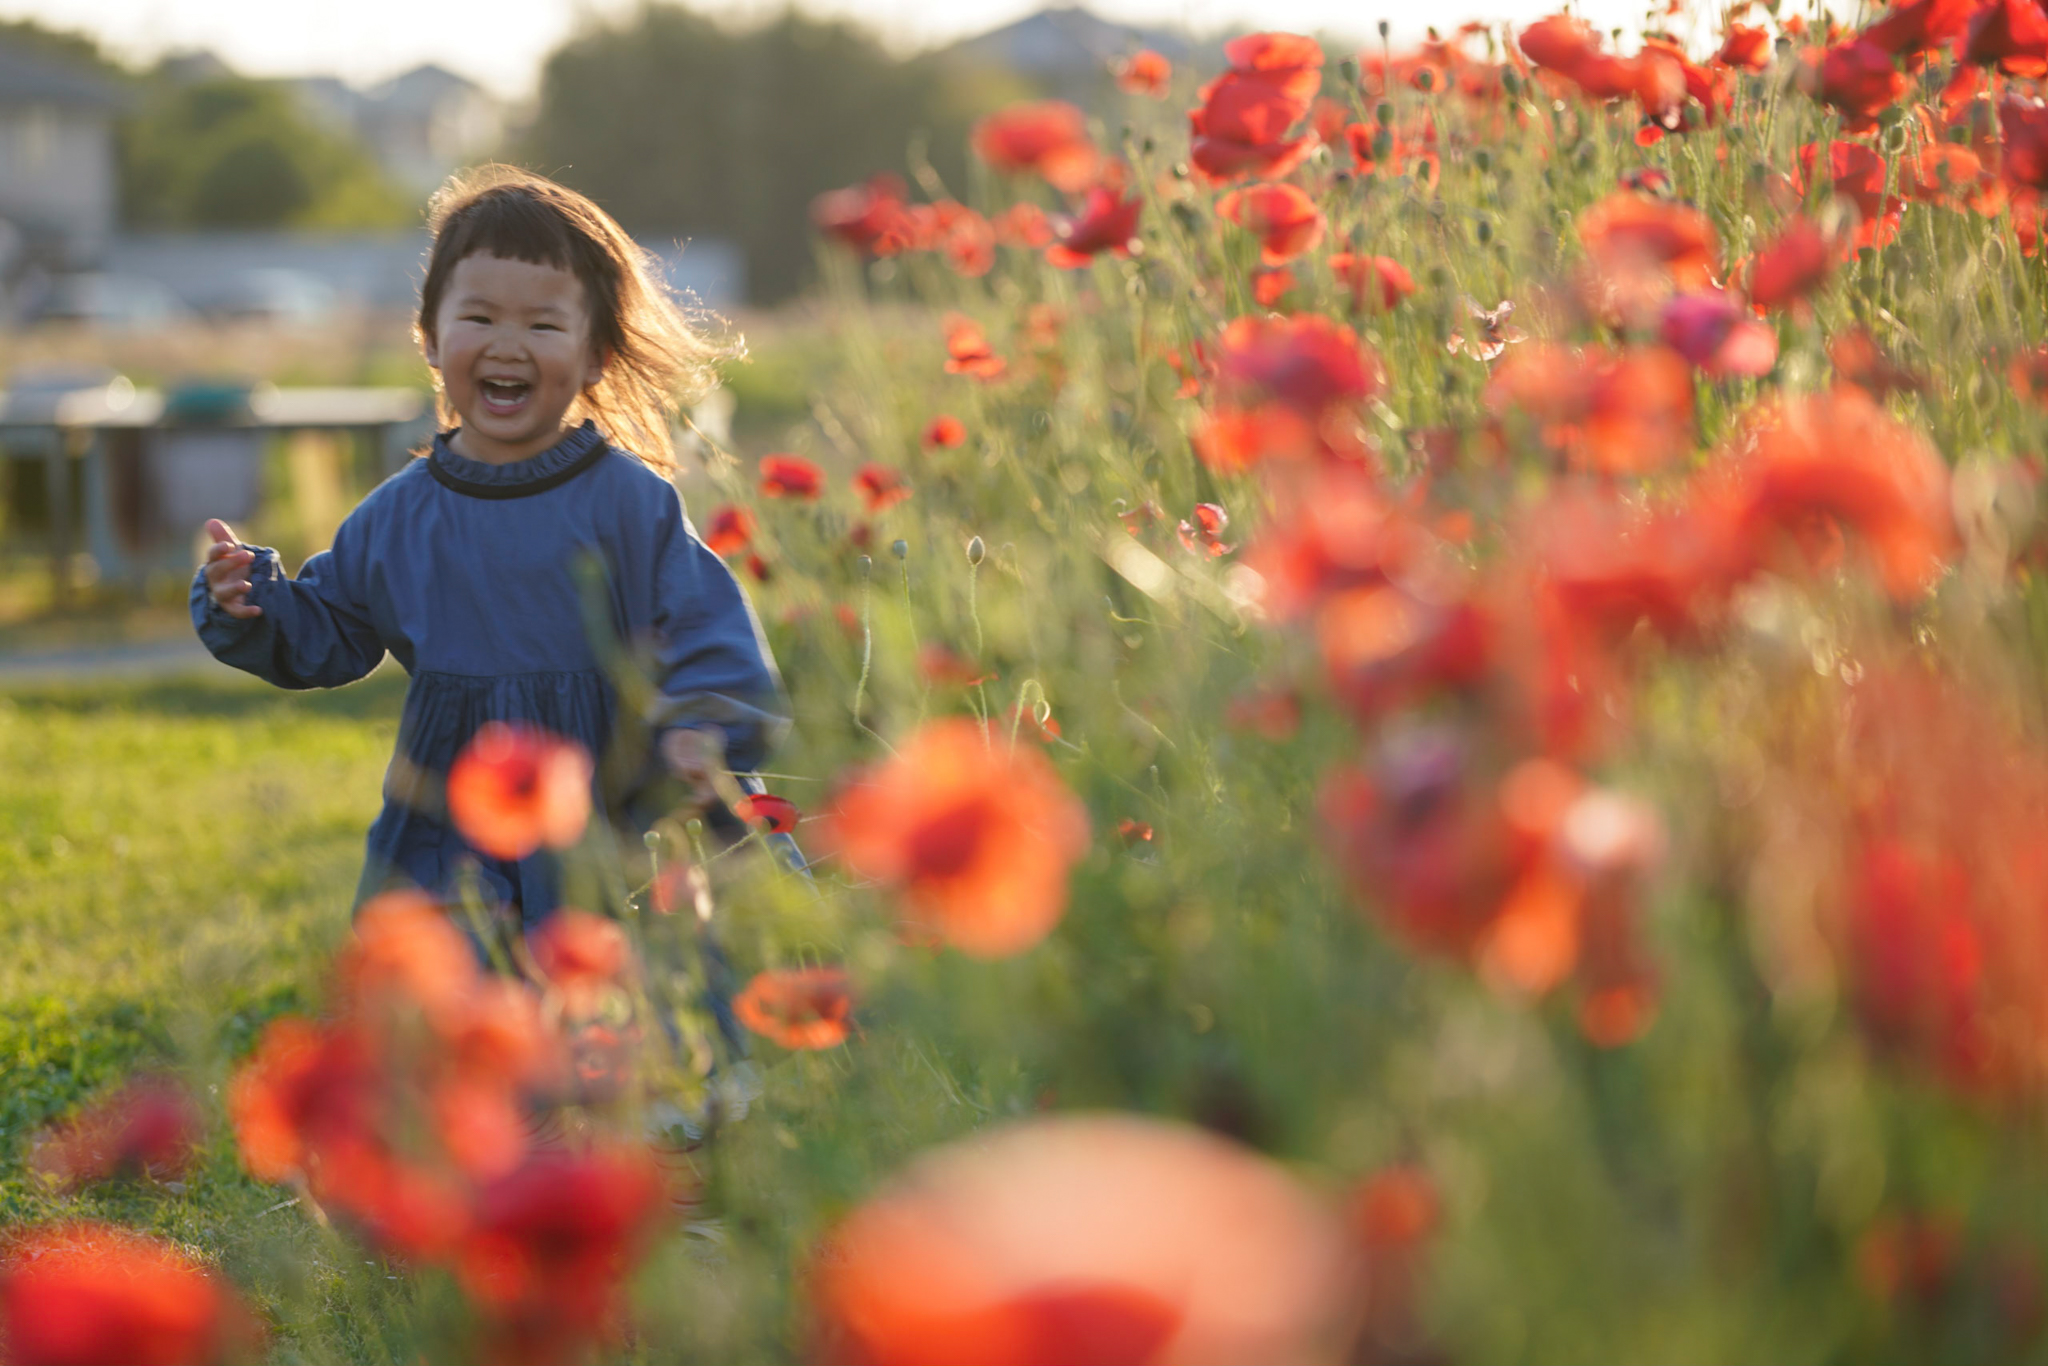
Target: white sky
x=501 y=42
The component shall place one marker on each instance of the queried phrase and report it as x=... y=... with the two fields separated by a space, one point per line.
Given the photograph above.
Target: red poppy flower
x=1201 y=531
x=552 y=1246
x=1144 y=73
x=729 y=531
x=944 y=430
x=976 y=836
x=404 y=954
x=1791 y=265
x=1918 y=26
x=1024 y=225
x=1629 y=232
x=1307 y=364
x=1746 y=47
x=581 y=955
x=1859 y=79
x=1272 y=714
x=869 y=218
x=779 y=814
x=2024 y=128
x=1036 y=723
x=147 y=1128
x=515 y=788
x=1107 y=222
x=880 y=487
x=1246 y=113
x=1559 y=42
x=790 y=476
x=1048 y=138
x=798 y=1007
x=1858 y=174
x=89 y=1292
x=759 y=568
x=1375 y=282
x=1718 y=335
x=1615 y=413
x=2011 y=33
x=1085 y=1240
x=1270 y=286
x=1942 y=173
x=1839 y=456
x=1134 y=831
x=1282 y=217
x=968 y=351
x=1858 y=361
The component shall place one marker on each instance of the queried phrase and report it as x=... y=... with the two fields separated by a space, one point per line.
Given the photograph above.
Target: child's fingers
x=217 y=530
x=243 y=610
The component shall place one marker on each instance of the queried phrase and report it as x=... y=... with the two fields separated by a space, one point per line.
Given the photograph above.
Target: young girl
x=550 y=343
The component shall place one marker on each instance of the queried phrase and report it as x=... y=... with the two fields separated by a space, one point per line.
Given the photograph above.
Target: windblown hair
x=655 y=361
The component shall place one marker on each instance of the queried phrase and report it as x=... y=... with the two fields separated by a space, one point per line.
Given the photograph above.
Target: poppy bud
x=867 y=566
x=1482 y=158
x=976 y=551
x=1348 y=69
x=900 y=549
x=1483 y=230
x=1425 y=80
x=1384 y=30
x=1510 y=82
x=1385 y=113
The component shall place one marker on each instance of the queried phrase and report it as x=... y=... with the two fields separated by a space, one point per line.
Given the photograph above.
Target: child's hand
x=227 y=561
x=694 y=755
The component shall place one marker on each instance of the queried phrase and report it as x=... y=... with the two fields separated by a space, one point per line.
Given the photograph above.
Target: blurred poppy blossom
x=1791 y=265
x=798 y=1007
x=515 y=789
x=944 y=431
x=1858 y=175
x=1719 y=336
x=551 y=1248
x=869 y=218
x=1627 y=234
x=1858 y=361
x=790 y=476
x=1023 y=225
x=148 y=1128
x=1916 y=26
x=779 y=814
x=1746 y=47
x=1614 y=412
x=1133 y=831
x=1375 y=282
x=1270 y=285
x=91 y=1293
x=1107 y=222
x=1283 y=218
x=880 y=487
x=1048 y=138
x=730 y=530
x=581 y=956
x=1085 y=1239
x=1283 y=387
x=968 y=351
x=2012 y=34
x=1144 y=72
x=1859 y=79
x=938 y=665
x=975 y=836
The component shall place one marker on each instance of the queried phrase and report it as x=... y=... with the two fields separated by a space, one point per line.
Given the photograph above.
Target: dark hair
x=654 y=360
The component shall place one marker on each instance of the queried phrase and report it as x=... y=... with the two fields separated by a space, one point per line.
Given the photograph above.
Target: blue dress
x=466 y=573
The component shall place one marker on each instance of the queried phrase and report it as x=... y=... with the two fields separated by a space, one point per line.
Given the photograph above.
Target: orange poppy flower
x=869 y=218
x=1375 y=282
x=976 y=836
x=797 y=1007
x=1859 y=79
x=944 y=430
x=1270 y=286
x=515 y=788
x=1838 y=455
x=1201 y=531
x=1628 y=232
x=1282 y=217
x=1615 y=413
x=968 y=351
x=1024 y=225
x=880 y=487
x=1103 y=1238
x=1048 y=138
x=85 y=1291
x=1133 y=831
x=791 y=476
x=1791 y=265
x=582 y=956
x=1858 y=361
x=1145 y=72
x=729 y=531
x=1747 y=47
x=943 y=667
x=1246 y=113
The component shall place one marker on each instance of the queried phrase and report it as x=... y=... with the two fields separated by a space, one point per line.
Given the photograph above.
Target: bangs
x=512 y=227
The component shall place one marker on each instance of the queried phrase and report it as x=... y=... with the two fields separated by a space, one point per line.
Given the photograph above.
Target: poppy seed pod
x=900 y=548
x=867 y=566
x=976 y=551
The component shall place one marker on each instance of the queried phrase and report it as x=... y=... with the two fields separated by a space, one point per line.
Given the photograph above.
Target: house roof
x=28 y=77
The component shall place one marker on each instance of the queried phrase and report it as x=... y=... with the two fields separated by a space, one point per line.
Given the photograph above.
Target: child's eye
x=546 y=327
x=474 y=318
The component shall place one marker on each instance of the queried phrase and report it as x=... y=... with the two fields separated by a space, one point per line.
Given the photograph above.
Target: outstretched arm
x=715 y=674
x=308 y=632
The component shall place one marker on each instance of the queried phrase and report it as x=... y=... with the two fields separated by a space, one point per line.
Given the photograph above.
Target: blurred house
x=59 y=198
x=420 y=125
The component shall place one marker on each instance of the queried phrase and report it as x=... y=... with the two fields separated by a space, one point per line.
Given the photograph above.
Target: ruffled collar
x=557 y=464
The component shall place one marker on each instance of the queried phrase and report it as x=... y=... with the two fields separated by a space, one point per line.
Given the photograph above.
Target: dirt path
x=133 y=659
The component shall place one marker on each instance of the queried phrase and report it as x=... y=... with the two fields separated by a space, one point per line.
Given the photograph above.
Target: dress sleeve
x=713 y=666
x=314 y=631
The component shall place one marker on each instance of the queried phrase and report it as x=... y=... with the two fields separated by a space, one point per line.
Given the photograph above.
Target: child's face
x=512 y=342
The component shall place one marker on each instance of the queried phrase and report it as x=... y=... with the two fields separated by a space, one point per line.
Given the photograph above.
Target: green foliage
x=682 y=126
x=234 y=153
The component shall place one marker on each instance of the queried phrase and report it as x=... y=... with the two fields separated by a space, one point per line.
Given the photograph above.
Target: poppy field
x=1418 y=688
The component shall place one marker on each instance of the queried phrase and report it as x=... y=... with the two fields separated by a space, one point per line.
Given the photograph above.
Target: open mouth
x=504 y=395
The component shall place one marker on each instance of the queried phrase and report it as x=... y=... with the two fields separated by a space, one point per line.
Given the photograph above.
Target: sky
x=501 y=42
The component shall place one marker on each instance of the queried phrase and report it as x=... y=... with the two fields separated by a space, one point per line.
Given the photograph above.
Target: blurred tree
x=234 y=153
x=681 y=126
x=75 y=49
